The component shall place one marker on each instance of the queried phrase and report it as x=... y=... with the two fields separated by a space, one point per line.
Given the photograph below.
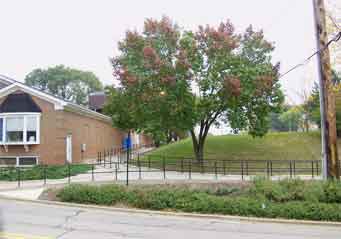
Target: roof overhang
x=59 y=104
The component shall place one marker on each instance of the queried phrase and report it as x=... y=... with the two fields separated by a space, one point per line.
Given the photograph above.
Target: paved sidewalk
x=31 y=189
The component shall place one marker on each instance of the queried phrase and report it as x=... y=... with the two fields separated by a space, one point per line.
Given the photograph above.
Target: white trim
x=80 y=109
x=20 y=113
x=58 y=103
x=6 y=80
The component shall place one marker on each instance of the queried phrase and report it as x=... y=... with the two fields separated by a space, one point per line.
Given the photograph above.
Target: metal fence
x=110 y=166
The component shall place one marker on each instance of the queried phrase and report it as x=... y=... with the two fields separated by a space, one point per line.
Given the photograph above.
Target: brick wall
x=54 y=128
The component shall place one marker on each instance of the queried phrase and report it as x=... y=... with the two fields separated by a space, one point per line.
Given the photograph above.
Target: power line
x=336 y=38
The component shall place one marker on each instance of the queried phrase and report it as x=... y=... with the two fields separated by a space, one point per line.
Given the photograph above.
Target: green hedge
x=285 y=199
x=38 y=172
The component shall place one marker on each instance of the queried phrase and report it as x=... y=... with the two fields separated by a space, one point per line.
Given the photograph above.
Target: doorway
x=69 y=148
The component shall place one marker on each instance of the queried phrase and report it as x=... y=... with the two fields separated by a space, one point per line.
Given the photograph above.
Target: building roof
x=20 y=102
x=10 y=86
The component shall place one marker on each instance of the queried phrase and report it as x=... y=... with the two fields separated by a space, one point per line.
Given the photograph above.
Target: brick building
x=39 y=128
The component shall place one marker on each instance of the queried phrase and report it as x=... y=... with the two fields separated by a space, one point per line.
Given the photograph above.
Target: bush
x=262 y=199
x=38 y=172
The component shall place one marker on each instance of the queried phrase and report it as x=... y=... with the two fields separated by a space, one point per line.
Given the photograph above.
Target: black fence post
x=247 y=167
x=104 y=155
x=18 y=172
x=164 y=167
x=224 y=167
x=268 y=169
x=215 y=170
x=92 y=173
x=242 y=168
x=190 y=169
x=116 y=168
x=110 y=158
x=312 y=169
x=69 y=172
x=127 y=169
x=271 y=169
x=139 y=165
x=294 y=171
x=290 y=168
x=44 y=167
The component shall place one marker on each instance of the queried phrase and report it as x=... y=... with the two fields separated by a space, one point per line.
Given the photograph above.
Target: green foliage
x=285 y=199
x=293 y=117
x=67 y=83
x=38 y=172
x=313 y=103
x=176 y=80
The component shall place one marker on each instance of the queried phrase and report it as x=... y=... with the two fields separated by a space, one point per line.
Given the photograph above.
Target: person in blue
x=127 y=142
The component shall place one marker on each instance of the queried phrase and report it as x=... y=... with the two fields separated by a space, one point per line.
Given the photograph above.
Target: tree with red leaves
x=192 y=80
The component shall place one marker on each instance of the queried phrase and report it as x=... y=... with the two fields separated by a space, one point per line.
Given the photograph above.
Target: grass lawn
x=284 y=146
x=292 y=199
x=274 y=146
x=39 y=172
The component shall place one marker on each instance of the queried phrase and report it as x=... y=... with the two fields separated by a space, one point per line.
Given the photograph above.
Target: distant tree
x=179 y=80
x=293 y=118
x=70 y=84
x=313 y=102
x=276 y=124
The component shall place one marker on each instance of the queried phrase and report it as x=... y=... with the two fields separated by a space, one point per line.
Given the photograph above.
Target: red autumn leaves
x=151 y=58
x=261 y=84
x=223 y=38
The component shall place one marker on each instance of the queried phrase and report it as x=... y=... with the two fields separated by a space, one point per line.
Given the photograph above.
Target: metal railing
x=109 y=163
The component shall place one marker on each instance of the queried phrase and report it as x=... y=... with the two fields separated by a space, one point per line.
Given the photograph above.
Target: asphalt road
x=23 y=220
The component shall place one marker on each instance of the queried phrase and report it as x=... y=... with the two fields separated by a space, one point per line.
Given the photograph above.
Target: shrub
x=38 y=172
x=332 y=192
x=261 y=200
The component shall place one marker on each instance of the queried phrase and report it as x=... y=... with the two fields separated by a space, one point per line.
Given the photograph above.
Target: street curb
x=178 y=214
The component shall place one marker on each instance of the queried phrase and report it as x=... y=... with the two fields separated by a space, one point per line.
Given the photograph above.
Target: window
x=19 y=161
x=19 y=128
x=31 y=127
x=14 y=129
x=8 y=161
x=27 y=161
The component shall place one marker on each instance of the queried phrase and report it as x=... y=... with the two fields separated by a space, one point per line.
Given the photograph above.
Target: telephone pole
x=330 y=162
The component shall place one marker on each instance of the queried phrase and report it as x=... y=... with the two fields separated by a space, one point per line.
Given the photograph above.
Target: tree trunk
x=198 y=146
x=199 y=153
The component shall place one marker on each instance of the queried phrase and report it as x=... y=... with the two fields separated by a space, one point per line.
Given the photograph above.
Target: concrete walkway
x=32 y=189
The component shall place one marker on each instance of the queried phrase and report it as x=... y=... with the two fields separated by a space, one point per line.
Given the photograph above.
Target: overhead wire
x=336 y=38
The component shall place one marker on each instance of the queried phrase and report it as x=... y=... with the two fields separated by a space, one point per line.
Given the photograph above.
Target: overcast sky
x=84 y=33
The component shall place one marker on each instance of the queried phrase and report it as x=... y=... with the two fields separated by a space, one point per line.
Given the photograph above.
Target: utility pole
x=330 y=162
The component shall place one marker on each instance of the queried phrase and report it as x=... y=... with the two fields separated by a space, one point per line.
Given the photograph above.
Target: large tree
x=67 y=83
x=195 y=79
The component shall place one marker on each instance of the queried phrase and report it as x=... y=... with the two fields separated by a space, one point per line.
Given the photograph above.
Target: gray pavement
x=30 y=220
